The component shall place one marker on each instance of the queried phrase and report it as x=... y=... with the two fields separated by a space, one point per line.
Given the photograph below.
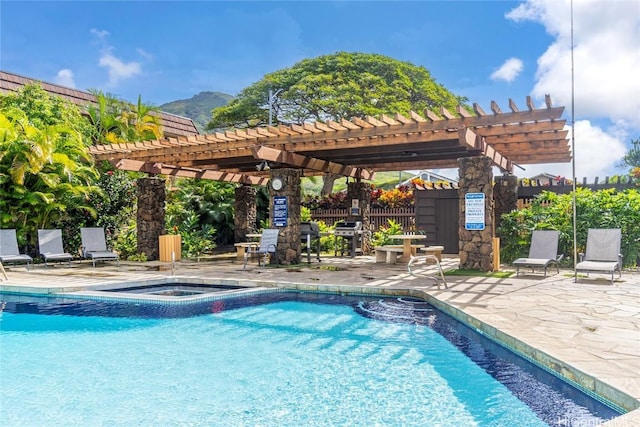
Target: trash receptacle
x=170 y=244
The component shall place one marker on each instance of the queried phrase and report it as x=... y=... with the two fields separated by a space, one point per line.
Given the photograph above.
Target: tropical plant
x=114 y=120
x=210 y=201
x=381 y=237
x=43 y=170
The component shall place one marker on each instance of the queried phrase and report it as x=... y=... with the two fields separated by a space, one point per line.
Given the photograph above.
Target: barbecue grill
x=350 y=234
x=309 y=232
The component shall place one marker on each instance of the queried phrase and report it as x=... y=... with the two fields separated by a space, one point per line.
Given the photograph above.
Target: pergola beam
x=160 y=169
x=471 y=139
x=306 y=162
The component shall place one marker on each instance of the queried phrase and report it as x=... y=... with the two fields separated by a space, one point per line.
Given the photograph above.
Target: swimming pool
x=269 y=358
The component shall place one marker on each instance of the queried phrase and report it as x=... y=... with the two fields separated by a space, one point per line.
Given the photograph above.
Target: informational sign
x=474 y=211
x=280 y=211
x=355 y=207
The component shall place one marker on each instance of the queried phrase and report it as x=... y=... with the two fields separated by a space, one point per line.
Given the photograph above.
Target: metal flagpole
x=573 y=159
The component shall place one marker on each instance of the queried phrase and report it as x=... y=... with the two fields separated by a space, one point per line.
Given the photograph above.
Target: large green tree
x=333 y=87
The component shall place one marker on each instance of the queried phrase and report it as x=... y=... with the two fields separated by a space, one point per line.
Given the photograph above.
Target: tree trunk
x=327 y=184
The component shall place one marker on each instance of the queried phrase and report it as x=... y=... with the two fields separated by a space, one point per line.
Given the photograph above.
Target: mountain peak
x=198 y=107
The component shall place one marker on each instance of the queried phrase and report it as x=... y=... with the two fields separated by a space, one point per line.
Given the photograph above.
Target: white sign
x=474 y=211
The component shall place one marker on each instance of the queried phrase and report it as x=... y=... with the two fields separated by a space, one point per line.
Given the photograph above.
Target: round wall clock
x=276 y=184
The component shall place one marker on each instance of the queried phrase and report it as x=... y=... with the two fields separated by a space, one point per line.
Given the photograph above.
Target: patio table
x=407 y=248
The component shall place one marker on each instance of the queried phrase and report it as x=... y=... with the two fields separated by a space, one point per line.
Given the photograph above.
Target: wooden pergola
x=357 y=148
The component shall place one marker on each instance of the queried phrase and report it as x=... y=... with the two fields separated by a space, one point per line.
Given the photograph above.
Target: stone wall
x=150 y=217
x=476 y=246
x=505 y=193
x=289 y=247
x=244 y=219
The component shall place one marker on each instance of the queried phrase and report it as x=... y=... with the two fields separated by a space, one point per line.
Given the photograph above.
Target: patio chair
x=4 y=273
x=603 y=252
x=50 y=246
x=9 y=251
x=94 y=246
x=542 y=253
x=268 y=245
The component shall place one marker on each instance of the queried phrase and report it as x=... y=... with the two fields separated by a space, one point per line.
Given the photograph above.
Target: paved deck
x=590 y=330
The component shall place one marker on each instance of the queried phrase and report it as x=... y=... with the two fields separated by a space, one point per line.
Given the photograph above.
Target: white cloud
x=508 y=71
x=146 y=55
x=65 y=78
x=117 y=68
x=99 y=34
x=606 y=60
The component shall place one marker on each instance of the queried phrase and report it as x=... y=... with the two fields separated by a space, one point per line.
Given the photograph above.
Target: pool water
x=282 y=359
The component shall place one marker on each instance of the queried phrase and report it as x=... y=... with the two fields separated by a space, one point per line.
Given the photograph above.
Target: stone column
x=150 y=217
x=361 y=192
x=245 y=215
x=505 y=193
x=476 y=246
x=289 y=247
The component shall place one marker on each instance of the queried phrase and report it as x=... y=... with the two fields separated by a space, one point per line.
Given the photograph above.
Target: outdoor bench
x=434 y=250
x=388 y=254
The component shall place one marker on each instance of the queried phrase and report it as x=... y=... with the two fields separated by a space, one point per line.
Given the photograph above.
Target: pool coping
x=589 y=384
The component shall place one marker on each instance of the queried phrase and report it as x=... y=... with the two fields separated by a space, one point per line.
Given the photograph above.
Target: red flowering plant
x=332 y=201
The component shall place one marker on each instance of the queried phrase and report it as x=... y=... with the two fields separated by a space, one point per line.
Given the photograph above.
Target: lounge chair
x=603 y=252
x=268 y=245
x=9 y=251
x=4 y=273
x=94 y=246
x=542 y=253
x=50 y=246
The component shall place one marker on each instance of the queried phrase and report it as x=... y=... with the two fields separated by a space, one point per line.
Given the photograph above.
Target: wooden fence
x=527 y=189
x=406 y=217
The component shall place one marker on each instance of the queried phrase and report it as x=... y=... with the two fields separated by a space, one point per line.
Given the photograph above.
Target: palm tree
x=118 y=121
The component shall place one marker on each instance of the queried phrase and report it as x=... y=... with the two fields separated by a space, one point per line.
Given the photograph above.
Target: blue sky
x=484 y=50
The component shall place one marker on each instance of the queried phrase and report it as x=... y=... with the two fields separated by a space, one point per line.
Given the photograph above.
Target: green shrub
x=381 y=237
x=550 y=211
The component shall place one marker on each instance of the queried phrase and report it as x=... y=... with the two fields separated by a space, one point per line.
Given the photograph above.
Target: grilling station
x=349 y=238
x=310 y=234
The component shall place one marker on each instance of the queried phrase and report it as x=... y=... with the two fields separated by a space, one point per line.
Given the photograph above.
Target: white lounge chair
x=94 y=246
x=542 y=253
x=50 y=246
x=268 y=245
x=9 y=251
x=603 y=252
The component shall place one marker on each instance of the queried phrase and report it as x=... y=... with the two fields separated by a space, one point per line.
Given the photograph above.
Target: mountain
x=198 y=108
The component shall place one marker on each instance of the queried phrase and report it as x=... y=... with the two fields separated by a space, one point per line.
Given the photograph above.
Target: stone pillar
x=505 y=193
x=245 y=215
x=150 y=218
x=476 y=246
x=361 y=192
x=289 y=247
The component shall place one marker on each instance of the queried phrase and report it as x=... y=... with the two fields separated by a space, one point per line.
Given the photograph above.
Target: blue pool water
x=277 y=359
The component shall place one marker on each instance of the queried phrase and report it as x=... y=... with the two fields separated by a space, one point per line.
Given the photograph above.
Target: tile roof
x=172 y=125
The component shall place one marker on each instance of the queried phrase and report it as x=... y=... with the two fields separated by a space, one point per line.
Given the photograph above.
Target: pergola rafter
x=360 y=146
